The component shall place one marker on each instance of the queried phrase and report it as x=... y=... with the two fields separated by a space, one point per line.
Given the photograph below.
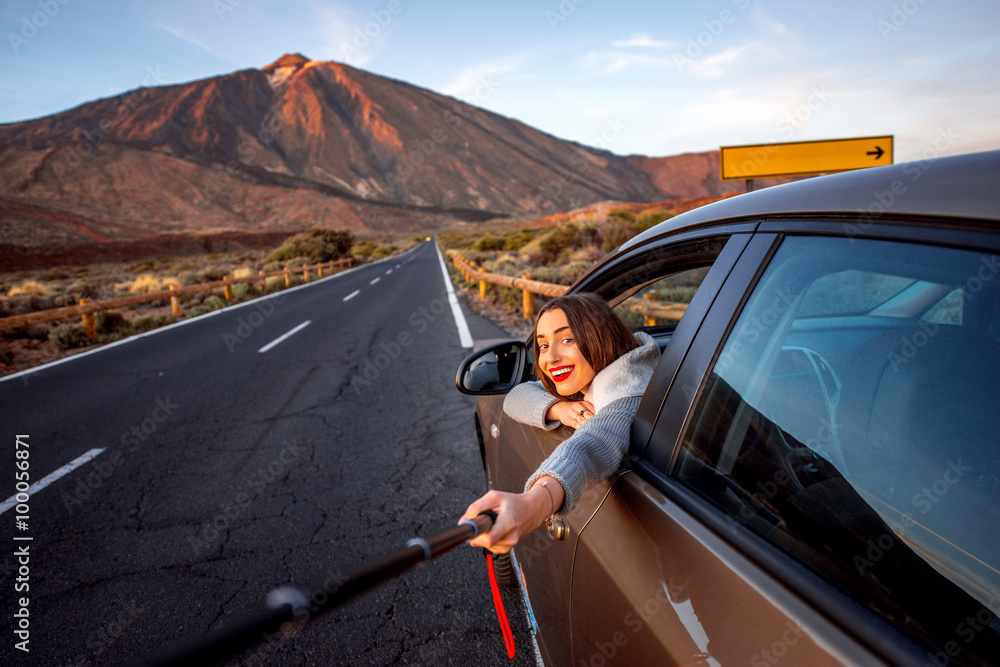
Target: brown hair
x=599 y=333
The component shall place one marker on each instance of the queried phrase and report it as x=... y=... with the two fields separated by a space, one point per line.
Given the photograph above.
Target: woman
x=593 y=372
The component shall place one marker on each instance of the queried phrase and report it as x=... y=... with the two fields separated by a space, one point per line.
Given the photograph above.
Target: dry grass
x=28 y=288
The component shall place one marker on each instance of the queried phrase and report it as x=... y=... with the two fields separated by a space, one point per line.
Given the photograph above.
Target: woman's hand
x=518 y=514
x=570 y=413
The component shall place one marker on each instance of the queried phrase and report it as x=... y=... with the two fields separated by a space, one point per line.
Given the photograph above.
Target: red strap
x=508 y=636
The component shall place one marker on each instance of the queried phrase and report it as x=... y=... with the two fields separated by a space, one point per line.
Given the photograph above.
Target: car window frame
x=716 y=328
x=610 y=275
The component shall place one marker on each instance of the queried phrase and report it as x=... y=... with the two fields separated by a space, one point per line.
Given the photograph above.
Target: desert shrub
x=111 y=322
x=384 y=251
x=363 y=250
x=34 y=332
x=213 y=273
x=214 y=302
x=243 y=272
x=82 y=289
x=488 y=243
x=150 y=322
x=243 y=291
x=28 y=288
x=615 y=232
x=69 y=335
x=148 y=283
x=517 y=241
x=650 y=219
x=621 y=214
x=5 y=357
x=315 y=245
x=186 y=278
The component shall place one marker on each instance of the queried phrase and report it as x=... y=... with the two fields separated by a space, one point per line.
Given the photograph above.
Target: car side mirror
x=493 y=370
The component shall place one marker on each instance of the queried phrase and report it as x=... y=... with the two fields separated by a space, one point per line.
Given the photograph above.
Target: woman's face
x=559 y=357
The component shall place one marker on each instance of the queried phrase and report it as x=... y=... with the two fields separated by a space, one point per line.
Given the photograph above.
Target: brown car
x=814 y=470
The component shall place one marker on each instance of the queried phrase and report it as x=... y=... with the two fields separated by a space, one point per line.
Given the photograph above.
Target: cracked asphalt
x=228 y=472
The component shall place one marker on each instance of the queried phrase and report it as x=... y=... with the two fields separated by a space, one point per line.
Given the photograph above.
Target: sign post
x=803 y=158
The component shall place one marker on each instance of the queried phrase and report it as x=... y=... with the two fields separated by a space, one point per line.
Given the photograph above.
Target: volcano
x=261 y=153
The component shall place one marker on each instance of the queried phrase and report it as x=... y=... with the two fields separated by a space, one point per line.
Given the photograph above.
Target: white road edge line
x=375 y=281
x=464 y=335
x=284 y=336
x=51 y=477
x=352 y=295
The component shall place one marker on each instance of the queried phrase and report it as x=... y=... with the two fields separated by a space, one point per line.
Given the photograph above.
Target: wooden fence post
x=482 y=288
x=227 y=290
x=263 y=281
x=288 y=277
x=175 y=304
x=305 y=274
x=529 y=301
x=651 y=296
x=319 y=270
x=89 y=326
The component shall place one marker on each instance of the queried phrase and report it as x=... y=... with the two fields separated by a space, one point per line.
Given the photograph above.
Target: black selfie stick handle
x=290 y=603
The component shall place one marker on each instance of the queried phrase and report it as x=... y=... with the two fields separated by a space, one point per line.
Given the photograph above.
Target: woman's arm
x=530 y=404
x=591 y=454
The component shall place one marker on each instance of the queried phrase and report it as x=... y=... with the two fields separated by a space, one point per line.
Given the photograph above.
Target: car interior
x=856 y=429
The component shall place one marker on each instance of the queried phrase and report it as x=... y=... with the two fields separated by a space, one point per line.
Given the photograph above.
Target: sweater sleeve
x=528 y=402
x=591 y=454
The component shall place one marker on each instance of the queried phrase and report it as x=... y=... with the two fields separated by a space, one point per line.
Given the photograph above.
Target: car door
x=819 y=485
x=546 y=563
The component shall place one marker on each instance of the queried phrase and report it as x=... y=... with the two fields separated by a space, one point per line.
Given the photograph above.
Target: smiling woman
x=592 y=373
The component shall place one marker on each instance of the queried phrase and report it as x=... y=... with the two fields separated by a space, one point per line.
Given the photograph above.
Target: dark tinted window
x=851 y=420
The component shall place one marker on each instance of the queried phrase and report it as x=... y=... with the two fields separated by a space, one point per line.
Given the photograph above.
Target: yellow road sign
x=803 y=158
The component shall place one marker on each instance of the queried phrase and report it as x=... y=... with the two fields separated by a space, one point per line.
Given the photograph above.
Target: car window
x=850 y=420
x=662 y=302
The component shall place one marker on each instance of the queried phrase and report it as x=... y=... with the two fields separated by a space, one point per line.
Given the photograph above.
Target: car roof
x=962 y=186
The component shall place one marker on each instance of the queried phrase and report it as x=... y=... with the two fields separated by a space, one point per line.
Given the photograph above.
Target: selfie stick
x=288 y=603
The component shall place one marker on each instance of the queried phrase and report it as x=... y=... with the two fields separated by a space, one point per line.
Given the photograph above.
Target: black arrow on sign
x=878 y=152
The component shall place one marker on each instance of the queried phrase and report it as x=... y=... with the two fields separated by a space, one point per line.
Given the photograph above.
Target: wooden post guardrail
x=89 y=325
x=88 y=307
x=227 y=290
x=649 y=307
x=175 y=303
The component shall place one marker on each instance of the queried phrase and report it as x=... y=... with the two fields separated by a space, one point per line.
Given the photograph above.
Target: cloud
x=613 y=62
x=477 y=82
x=183 y=36
x=642 y=40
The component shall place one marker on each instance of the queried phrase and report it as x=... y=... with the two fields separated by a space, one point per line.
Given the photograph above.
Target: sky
x=633 y=77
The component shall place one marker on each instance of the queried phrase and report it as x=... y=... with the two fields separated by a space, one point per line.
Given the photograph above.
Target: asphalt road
x=228 y=471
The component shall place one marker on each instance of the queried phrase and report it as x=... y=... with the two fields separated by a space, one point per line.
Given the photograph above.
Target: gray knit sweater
x=597 y=447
